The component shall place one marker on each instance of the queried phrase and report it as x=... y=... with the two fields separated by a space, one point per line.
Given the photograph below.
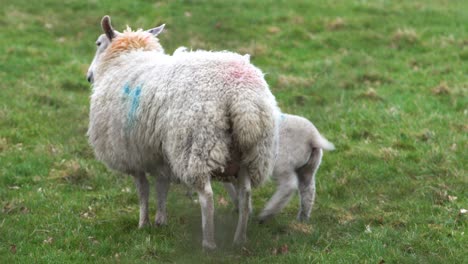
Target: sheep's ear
x=107 y=27
x=157 y=30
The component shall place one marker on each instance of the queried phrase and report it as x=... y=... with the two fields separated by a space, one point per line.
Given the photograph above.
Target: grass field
x=386 y=81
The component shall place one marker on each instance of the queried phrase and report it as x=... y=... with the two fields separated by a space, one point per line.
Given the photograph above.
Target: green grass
x=386 y=81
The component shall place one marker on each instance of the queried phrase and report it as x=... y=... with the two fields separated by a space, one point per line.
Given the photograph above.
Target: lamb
x=300 y=153
x=299 y=157
x=195 y=116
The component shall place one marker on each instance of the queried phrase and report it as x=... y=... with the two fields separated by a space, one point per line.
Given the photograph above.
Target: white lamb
x=299 y=156
x=194 y=116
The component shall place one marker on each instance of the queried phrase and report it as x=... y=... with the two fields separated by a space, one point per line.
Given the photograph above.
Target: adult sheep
x=199 y=115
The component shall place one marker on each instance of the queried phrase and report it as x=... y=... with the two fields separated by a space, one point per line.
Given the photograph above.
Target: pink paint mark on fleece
x=242 y=71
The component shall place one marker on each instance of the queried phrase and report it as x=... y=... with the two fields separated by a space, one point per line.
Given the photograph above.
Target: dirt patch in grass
x=291 y=81
x=403 y=145
x=273 y=30
x=425 y=135
x=253 y=49
x=373 y=78
x=404 y=37
x=362 y=134
x=3 y=144
x=297 y=20
x=14 y=206
x=370 y=94
x=345 y=217
x=69 y=171
x=441 y=89
x=388 y=153
x=300 y=227
x=335 y=24
x=47 y=100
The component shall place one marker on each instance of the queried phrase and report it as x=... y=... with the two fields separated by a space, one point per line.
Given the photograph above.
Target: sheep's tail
x=254 y=119
x=319 y=141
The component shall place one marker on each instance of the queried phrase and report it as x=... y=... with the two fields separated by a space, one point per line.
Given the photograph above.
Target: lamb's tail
x=254 y=120
x=319 y=141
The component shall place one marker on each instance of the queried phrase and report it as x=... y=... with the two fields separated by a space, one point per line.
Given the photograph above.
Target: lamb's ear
x=107 y=27
x=157 y=30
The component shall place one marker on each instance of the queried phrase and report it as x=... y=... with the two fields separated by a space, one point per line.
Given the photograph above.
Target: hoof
x=240 y=241
x=302 y=218
x=208 y=246
x=160 y=220
x=264 y=218
x=143 y=224
x=158 y=224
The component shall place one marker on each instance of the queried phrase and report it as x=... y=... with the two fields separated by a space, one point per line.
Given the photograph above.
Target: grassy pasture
x=386 y=81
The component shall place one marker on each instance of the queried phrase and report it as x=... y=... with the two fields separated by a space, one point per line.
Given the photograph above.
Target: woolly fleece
x=192 y=110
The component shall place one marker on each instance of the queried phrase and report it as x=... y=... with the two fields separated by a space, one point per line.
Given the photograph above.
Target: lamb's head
x=112 y=43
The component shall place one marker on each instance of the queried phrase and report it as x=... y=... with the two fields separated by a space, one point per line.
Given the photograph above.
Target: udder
x=230 y=172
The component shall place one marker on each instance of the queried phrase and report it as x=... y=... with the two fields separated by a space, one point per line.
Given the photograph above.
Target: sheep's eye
x=98 y=43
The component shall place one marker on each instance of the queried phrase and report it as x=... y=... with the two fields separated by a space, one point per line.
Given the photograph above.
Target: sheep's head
x=117 y=42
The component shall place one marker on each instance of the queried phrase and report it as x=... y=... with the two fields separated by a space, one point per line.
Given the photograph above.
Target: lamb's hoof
x=302 y=218
x=208 y=246
x=264 y=218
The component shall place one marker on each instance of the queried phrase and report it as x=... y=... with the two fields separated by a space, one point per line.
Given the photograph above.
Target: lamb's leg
x=286 y=185
x=244 y=196
x=307 y=184
x=231 y=190
x=142 y=187
x=162 y=187
x=205 y=195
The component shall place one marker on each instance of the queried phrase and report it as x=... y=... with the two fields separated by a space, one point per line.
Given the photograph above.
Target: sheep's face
x=101 y=43
x=105 y=40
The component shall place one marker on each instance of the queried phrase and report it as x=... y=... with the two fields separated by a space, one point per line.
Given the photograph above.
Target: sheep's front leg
x=142 y=187
x=162 y=187
x=244 y=196
x=286 y=185
x=307 y=185
x=205 y=195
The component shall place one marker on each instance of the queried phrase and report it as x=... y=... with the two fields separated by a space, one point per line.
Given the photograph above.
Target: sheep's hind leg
x=244 y=196
x=162 y=187
x=307 y=184
x=142 y=187
x=205 y=195
x=287 y=184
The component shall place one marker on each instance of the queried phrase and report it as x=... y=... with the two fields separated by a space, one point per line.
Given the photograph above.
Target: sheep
x=194 y=116
x=299 y=157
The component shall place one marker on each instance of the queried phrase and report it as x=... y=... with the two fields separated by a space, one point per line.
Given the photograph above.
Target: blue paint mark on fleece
x=132 y=95
x=126 y=89
x=135 y=103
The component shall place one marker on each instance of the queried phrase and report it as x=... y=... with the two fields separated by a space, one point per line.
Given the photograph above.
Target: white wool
x=187 y=111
